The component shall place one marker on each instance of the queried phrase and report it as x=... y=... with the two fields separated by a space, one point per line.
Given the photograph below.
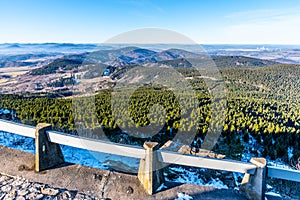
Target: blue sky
x=204 y=21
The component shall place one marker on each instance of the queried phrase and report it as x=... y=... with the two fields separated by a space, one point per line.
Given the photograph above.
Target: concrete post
x=254 y=186
x=47 y=154
x=150 y=172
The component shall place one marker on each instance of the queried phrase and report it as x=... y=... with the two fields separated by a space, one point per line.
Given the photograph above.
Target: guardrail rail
x=48 y=154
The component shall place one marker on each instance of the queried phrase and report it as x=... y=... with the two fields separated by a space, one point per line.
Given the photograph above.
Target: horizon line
x=95 y=43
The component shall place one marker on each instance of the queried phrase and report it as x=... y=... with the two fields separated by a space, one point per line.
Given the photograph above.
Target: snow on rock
x=192 y=177
x=183 y=196
x=237 y=176
x=162 y=186
x=273 y=194
x=186 y=176
x=217 y=183
x=269 y=187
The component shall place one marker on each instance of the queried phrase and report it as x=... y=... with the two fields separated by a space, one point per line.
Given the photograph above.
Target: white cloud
x=261 y=27
x=282 y=30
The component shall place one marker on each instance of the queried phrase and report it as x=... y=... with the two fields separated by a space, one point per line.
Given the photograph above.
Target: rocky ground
x=72 y=181
x=19 y=188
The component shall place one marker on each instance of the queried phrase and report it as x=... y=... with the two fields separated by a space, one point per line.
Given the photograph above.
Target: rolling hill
x=123 y=57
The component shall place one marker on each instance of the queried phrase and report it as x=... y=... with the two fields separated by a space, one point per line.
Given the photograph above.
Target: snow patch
x=162 y=186
x=186 y=176
x=4 y=111
x=273 y=194
x=71 y=154
x=217 y=183
x=237 y=176
x=183 y=196
x=290 y=152
x=192 y=177
x=269 y=187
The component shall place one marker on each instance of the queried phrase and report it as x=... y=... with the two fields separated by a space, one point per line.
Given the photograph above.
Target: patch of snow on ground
x=17 y=142
x=4 y=111
x=273 y=194
x=183 y=196
x=269 y=187
x=71 y=154
x=192 y=177
x=290 y=152
x=185 y=176
x=217 y=183
x=162 y=186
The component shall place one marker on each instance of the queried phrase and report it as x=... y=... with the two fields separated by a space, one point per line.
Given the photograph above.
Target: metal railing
x=140 y=153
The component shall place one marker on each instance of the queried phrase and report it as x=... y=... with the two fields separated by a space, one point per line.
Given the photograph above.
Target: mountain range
x=120 y=58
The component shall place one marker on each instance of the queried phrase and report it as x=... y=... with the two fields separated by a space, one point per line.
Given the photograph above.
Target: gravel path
x=20 y=189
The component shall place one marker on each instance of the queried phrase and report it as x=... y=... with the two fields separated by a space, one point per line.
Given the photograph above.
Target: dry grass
x=3 y=80
x=15 y=71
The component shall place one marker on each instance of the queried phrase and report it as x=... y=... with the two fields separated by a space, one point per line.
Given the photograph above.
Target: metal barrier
x=48 y=154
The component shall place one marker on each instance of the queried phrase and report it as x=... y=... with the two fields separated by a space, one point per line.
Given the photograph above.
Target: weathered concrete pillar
x=150 y=172
x=47 y=154
x=254 y=186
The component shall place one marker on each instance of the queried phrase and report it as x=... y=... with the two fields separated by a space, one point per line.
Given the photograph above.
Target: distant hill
x=117 y=58
x=105 y=56
x=240 y=62
x=179 y=53
x=219 y=61
x=29 y=59
x=177 y=63
x=58 y=65
x=133 y=55
x=14 y=46
x=128 y=56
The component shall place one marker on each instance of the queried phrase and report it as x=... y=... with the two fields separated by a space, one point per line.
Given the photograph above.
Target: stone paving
x=17 y=188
